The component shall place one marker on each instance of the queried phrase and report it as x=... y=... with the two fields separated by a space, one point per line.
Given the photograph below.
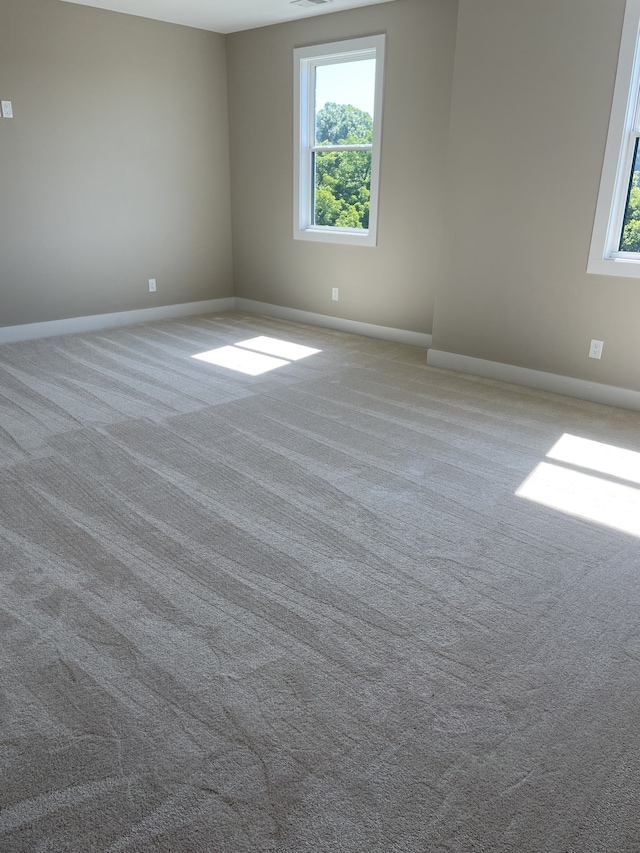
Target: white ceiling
x=223 y=16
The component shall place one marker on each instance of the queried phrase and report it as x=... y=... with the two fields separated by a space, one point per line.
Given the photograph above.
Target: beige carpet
x=348 y=605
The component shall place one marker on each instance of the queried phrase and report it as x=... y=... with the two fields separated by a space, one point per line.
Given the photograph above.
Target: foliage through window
x=338 y=119
x=630 y=234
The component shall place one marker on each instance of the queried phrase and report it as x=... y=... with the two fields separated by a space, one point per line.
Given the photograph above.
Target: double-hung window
x=338 y=128
x=615 y=244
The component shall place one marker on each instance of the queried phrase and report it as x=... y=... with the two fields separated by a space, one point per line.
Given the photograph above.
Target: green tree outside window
x=343 y=178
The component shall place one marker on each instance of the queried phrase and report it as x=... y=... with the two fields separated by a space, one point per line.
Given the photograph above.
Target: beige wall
x=532 y=93
x=115 y=168
x=393 y=283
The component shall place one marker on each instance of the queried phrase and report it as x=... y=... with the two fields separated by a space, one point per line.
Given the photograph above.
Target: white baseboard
x=594 y=392
x=580 y=388
x=11 y=334
x=385 y=333
x=30 y=331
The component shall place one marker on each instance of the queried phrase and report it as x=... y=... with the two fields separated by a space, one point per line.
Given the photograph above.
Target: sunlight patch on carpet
x=597 y=456
x=280 y=349
x=583 y=479
x=256 y=356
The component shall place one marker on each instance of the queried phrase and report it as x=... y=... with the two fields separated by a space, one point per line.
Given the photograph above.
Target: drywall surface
x=115 y=168
x=532 y=93
x=393 y=283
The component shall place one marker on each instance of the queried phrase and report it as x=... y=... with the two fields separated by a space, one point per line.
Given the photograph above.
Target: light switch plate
x=7 y=109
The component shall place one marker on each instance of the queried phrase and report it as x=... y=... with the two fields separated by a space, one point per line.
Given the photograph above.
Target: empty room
x=319 y=426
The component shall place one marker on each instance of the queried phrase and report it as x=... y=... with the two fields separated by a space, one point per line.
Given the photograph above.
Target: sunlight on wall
x=583 y=479
x=256 y=355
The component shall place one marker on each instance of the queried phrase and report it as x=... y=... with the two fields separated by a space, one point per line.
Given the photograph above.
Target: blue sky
x=347 y=83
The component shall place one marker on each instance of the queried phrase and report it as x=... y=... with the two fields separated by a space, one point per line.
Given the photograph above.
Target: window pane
x=630 y=237
x=344 y=98
x=342 y=188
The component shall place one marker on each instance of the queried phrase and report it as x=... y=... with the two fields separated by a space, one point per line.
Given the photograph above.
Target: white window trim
x=306 y=59
x=604 y=258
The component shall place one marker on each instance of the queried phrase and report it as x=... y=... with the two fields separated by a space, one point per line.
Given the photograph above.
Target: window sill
x=336 y=236
x=624 y=267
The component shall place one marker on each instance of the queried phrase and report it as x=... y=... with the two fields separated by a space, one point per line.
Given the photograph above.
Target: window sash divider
x=361 y=147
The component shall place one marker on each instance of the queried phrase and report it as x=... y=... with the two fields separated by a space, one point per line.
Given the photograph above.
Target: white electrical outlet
x=595 y=350
x=7 y=109
x=152 y=285
x=334 y=294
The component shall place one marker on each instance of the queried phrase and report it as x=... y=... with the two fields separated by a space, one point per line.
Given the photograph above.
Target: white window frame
x=624 y=128
x=306 y=60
